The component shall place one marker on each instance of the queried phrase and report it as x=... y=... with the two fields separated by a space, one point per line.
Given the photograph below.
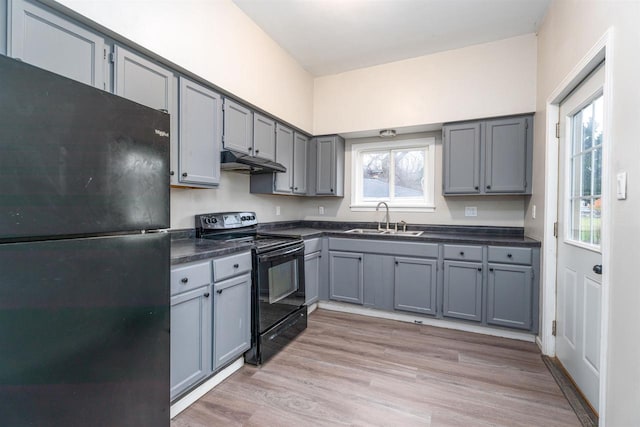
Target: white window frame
x=413 y=205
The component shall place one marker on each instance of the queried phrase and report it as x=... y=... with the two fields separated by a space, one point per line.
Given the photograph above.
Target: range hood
x=244 y=163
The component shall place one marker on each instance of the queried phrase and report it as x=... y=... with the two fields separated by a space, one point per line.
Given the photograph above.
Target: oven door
x=280 y=284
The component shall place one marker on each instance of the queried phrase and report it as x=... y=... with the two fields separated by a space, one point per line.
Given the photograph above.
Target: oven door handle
x=281 y=253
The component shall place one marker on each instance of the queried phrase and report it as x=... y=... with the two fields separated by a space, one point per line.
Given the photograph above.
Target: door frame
x=601 y=51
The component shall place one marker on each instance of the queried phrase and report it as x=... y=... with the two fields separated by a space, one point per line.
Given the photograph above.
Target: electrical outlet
x=470 y=211
x=277 y=210
x=320 y=210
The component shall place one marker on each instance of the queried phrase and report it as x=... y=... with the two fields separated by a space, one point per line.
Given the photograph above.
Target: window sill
x=396 y=208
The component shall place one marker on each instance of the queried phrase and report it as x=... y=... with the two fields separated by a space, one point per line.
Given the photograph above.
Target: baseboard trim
x=204 y=388
x=423 y=320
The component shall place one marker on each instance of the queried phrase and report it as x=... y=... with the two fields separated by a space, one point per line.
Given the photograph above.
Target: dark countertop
x=186 y=248
x=451 y=236
x=192 y=249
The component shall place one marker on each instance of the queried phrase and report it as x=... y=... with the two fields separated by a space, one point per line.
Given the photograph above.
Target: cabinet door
x=506 y=155
x=238 y=127
x=200 y=134
x=147 y=83
x=346 y=277
x=462 y=293
x=284 y=156
x=326 y=166
x=311 y=277
x=264 y=137
x=415 y=285
x=42 y=37
x=461 y=158
x=232 y=319
x=190 y=338
x=509 y=298
x=300 y=143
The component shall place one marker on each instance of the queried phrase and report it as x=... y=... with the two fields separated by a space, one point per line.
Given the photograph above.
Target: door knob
x=597 y=269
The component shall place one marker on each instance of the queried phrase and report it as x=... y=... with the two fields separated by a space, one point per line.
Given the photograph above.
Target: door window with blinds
x=585 y=202
x=400 y=173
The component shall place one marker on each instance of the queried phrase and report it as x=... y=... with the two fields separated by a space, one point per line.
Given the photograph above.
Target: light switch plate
x=470 y=211
x=621 y=186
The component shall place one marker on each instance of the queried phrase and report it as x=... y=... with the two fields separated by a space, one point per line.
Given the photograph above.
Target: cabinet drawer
x=313 y=245
x=463 y=252
x=230 y=266
x=508 y=255
x=190 y=276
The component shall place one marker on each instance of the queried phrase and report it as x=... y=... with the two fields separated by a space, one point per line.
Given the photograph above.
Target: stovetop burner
x=239 y=227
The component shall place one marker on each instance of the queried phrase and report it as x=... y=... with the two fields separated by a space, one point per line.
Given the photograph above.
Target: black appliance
x=278 y=307
x=84 y=287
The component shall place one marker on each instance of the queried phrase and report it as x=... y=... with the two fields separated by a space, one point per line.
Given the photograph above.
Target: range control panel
x=225 y=220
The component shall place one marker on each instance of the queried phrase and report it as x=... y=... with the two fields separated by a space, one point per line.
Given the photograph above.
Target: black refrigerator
x=84 y=267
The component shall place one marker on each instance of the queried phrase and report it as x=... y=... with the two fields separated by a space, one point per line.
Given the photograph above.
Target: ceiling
x=333 y=36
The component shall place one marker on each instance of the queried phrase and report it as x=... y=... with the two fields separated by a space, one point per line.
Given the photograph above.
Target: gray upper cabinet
x=291 y=152
x=300 y=144
x=327 y=162
x=415 y=285
x=46 y=39
x=346 y=277
x=264 y=137
x=200 y=134
x=146 y=82
x=190 y=338
x=238 y=127
x=232 y=319
x=461 y=154
x=284 y=155
x=509 y=298
x=488 y=157
x=506 y=154
x=462 y=290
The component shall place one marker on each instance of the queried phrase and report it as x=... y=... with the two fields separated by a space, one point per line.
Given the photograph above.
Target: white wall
x=485 y=80
x=494 y=210
x=568 y=31
x=217 y=41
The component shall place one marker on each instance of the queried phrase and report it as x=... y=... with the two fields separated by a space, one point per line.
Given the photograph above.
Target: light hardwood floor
x=359 y=371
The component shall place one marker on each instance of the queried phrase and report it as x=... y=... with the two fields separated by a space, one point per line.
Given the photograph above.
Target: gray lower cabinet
x=488 y=157
x=44 y=38
x=200 y=141
x=346 y=277
x=190 y=338
x=232 y=319
x=312 y=276
x=509 y=295
x=326 y=162
x=415 y=285
x=462 y=290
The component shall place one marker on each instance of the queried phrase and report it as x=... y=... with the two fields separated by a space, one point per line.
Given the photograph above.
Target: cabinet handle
x=359 y=258
x=509 y=255
x=396 y=262
x=461 y=253
x=219 y=291
x=476 y=187
x=236 y=265
x=491 y=269
x=479 y=269
x=250 y=148
x=172 y=173
x=488 y=187
x=184 y=174
x=295 y=188
x=332 y=190
x=291 y=188
x=206 y=295
x=184 y=279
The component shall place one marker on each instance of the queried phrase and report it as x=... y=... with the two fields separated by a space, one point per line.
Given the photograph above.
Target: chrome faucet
x=387 y=215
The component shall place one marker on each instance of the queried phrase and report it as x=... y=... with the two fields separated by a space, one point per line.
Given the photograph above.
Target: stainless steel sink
x=365 y=231
x=384 y=232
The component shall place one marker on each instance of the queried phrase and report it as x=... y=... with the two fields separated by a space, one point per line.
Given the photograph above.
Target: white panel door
x=579 y=236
